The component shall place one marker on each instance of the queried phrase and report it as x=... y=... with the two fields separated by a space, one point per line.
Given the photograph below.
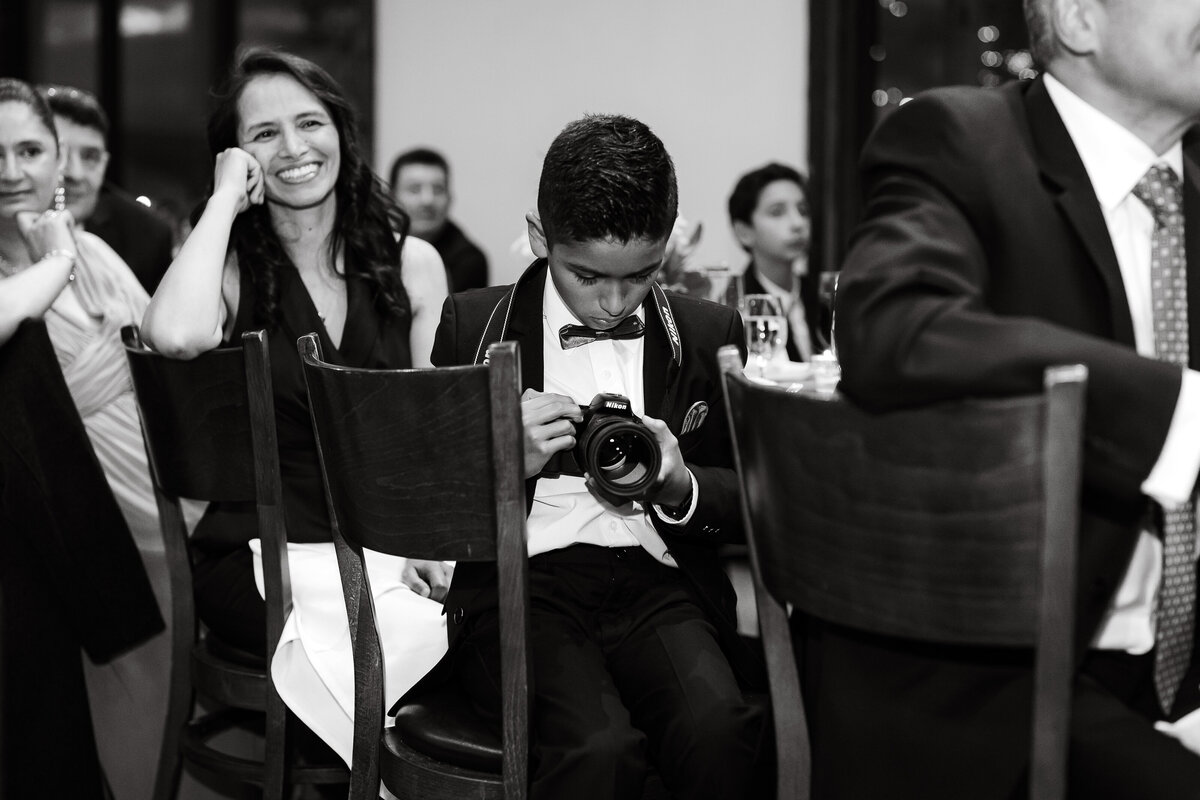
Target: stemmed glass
x=766 y=331
x=827 y=294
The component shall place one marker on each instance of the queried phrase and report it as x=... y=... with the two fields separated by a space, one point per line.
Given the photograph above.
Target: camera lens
x=621 y=455
x=623 y=459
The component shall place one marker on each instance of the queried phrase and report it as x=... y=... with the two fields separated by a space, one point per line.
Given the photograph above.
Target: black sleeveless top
x=369 y=340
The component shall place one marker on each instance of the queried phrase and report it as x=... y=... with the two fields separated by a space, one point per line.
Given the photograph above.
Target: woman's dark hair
x=78 y=106
x=367 y=217
x=15 y=91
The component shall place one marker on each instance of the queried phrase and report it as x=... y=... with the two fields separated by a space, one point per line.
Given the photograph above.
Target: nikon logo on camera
x=616 y=405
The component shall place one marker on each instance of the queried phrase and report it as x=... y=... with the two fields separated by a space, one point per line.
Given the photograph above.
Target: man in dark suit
x=1008 y=230
x=772 y=221
x=141 y=238
x=420 y=181
x=630 y=607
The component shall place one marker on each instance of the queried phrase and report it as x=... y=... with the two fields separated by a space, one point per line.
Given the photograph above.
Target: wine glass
x=827 y=294
x=766 y=331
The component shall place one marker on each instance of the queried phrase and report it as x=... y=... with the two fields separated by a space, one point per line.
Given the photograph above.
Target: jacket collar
x=518 y=317
x=1068 y=181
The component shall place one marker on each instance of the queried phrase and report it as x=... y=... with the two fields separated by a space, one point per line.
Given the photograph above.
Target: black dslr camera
x=614 y=447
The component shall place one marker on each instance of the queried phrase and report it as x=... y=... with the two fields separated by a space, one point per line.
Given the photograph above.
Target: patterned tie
x=576 y=335
x=1162 y=193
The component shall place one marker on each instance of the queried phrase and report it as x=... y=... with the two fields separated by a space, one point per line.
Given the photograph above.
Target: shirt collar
x=555 y=310
x=1114 y=157
x=776 y=289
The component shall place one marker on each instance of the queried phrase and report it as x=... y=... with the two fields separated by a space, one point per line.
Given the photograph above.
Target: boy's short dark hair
x=79 y=106
x=607 y=178
x=746 y=191
x=418 y=155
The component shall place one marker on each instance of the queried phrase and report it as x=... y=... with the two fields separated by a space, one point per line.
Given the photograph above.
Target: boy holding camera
x=636 y=658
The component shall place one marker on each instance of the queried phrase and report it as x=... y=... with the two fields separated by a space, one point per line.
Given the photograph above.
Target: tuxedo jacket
x=984 y=258
x=141 y=237
x=681 y=382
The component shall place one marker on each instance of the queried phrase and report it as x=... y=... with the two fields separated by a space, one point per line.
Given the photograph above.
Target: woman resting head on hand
x=300 y=236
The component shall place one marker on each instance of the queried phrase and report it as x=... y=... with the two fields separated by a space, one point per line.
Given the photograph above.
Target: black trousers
x=227 y=598
x=904 y=720
x=627 y=672
x=1115 y=751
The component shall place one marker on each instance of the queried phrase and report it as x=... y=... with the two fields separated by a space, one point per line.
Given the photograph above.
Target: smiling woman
x=300 y=236
x=84 y=293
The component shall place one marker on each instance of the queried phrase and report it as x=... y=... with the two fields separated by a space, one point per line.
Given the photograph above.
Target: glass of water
x=766 y=331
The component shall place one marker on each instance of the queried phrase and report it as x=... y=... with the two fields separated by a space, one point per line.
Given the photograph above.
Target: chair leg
x=275 y=760
x=170 y=762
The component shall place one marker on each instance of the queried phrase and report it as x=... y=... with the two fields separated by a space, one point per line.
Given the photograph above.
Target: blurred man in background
x=420 y=181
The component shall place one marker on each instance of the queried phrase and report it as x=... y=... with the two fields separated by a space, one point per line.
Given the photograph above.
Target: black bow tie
x=575 y=335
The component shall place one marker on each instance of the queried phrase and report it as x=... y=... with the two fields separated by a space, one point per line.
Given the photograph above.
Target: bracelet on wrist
x=67 y=254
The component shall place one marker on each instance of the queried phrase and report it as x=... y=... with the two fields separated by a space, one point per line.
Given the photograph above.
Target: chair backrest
x=209 y=426
x=954 y=523
x=429 y=464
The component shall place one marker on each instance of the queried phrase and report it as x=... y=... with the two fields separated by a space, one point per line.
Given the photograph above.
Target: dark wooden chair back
x=209 y=426
x=426 y=464
x=955 y=523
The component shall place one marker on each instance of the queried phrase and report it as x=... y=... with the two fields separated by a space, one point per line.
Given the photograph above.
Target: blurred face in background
x=780 y=227
x=85 y=155
x=28 y=161
x=423 y=191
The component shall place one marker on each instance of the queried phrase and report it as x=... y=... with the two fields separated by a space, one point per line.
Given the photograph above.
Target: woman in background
x=84 y=293
x=298 y=236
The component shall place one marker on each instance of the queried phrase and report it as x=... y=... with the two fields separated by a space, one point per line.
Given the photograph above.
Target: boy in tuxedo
x=636 y=658
x=772 y=221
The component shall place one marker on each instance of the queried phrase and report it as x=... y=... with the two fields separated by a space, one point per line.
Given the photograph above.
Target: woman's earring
x=60 y=195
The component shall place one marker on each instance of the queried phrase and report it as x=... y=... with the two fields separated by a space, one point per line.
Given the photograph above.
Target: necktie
x=1161 y=192
x=576 y=335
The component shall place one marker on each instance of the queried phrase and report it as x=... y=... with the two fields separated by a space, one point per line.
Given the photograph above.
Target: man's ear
x=537 y=237
x=1076 y=25
x=744 y=233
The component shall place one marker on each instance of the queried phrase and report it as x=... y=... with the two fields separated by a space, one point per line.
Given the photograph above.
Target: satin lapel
x=1064 y=171
x=662 y=357
x=750 y=282
x=1191 y=213
x=521 y=322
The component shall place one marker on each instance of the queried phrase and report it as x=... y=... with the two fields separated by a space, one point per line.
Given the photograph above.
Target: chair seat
x=439 y=722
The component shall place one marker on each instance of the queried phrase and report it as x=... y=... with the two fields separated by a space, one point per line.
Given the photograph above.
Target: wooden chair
x=988 y=491
x=209 y=426
x=428 y=464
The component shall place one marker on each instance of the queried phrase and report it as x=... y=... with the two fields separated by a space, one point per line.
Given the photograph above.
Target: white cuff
x=667 y=518
x=1171 y=480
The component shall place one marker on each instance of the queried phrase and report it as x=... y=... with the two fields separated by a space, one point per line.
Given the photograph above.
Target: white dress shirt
x=1115 y=160
x=564 y=511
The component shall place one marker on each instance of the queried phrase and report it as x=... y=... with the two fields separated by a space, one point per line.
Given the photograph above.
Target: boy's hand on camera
x=673 y=484
x=548 y=420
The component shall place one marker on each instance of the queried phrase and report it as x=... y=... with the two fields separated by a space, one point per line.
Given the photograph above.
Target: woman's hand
x=428 y=578
x=47 y=232
x=239 y=175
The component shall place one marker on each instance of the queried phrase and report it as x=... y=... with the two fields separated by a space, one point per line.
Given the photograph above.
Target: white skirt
x=313 y=666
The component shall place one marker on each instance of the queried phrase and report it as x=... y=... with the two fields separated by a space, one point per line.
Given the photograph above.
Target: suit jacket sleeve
x=709 y=455
x=933 y=306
